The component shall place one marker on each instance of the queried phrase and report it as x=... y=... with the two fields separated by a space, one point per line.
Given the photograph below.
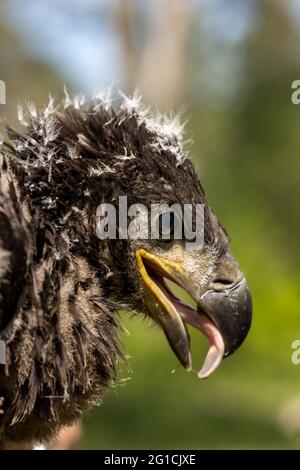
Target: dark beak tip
x=238 y=331
x=232 y=313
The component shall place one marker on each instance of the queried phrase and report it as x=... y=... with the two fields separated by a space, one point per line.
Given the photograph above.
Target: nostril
x=223 y=282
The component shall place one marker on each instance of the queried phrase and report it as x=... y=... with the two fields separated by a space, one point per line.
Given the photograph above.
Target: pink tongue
x=203 y=323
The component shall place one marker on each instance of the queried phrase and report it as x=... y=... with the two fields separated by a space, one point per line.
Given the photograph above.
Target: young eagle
x=61 y=285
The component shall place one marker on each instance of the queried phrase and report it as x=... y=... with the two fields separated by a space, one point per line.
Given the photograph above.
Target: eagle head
x=172 y=238
x=139 y=191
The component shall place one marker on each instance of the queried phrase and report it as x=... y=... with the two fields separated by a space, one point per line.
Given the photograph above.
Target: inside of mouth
x=179 y=293
x=192 y=315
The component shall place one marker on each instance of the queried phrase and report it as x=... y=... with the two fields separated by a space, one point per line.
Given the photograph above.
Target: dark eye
x=166 y=225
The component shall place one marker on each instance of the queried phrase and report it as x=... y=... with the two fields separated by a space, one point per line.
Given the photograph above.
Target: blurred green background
x=228 y=65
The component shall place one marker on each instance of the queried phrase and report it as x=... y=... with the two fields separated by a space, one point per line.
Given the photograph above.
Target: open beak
x=223 y=313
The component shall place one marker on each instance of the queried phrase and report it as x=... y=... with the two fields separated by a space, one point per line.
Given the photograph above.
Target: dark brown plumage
x=60 y=285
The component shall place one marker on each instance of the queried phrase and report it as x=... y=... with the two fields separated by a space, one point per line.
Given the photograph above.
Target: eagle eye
x=167 y=223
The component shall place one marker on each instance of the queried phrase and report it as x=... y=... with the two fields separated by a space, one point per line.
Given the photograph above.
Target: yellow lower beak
x=160 y=307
